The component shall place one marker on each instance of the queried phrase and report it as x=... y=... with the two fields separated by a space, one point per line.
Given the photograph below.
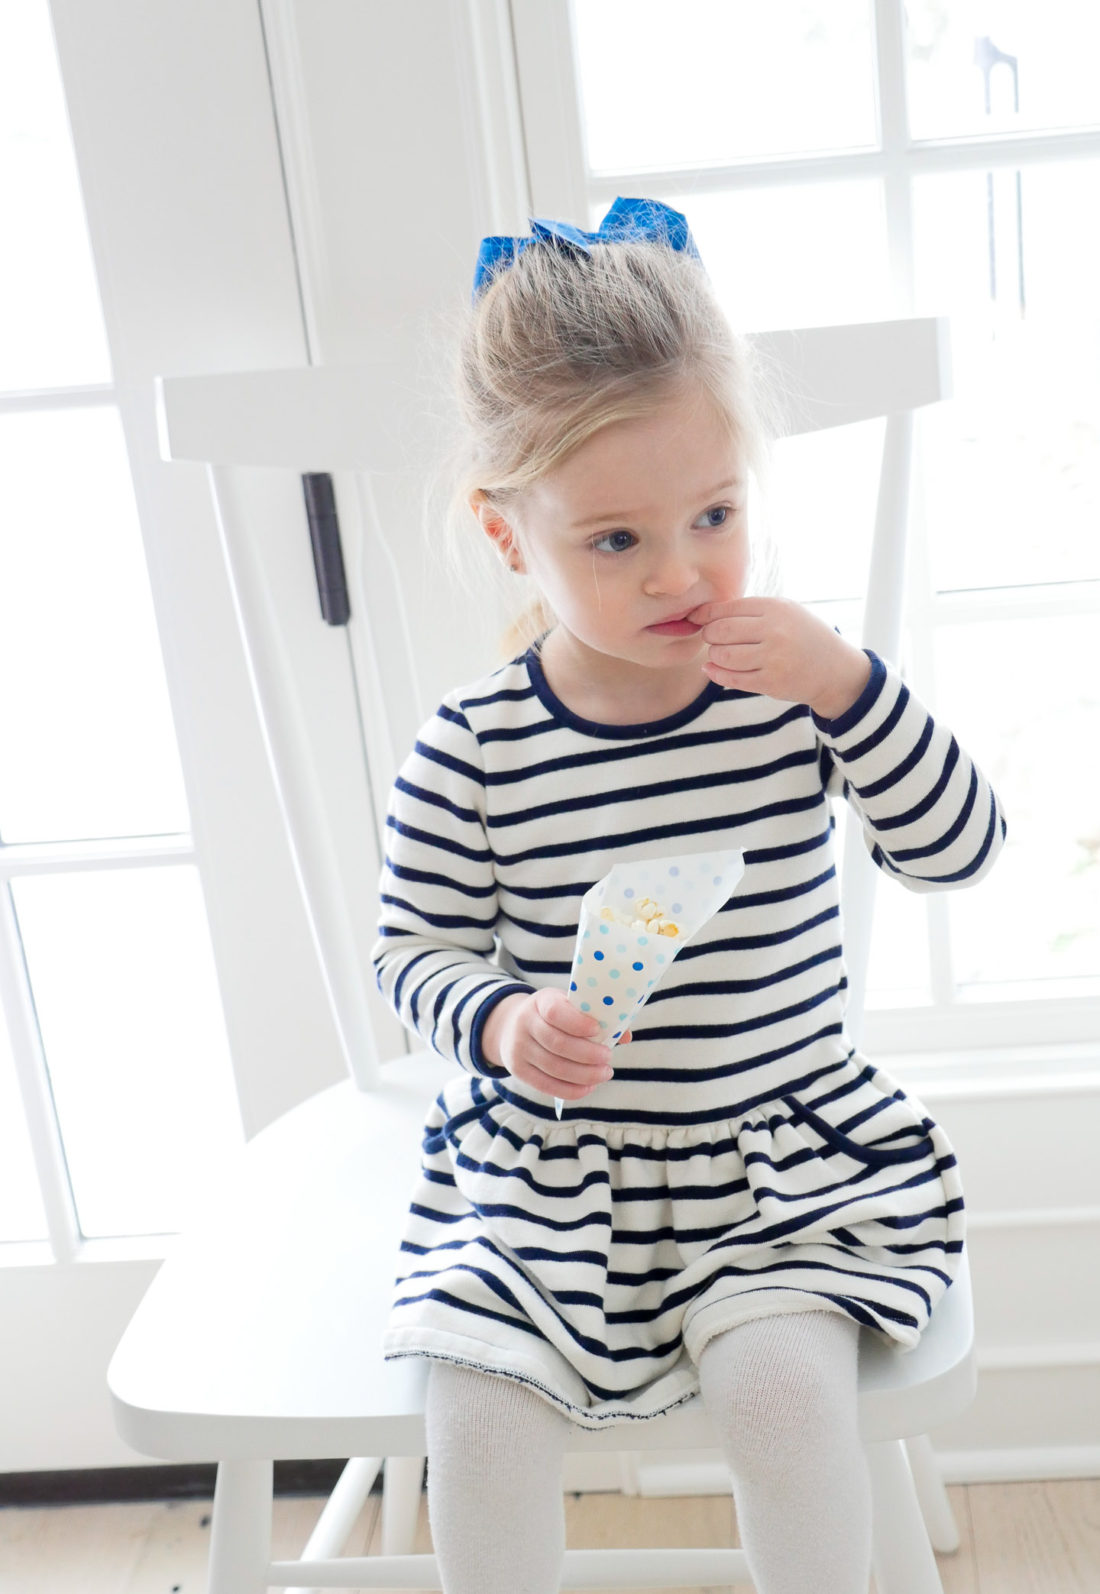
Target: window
x=863 y=159
x=115 y=1087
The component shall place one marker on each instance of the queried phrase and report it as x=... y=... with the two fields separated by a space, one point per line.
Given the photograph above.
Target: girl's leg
x=782 y=1393
x=495 y=1452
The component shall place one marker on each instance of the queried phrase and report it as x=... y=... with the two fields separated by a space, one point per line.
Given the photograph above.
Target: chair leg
x=240 y=1535
x=901 y=1554
x=401 y=1483
x=341 y=1511
x=935 y=1506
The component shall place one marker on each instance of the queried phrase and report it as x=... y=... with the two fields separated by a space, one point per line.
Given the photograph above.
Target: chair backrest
x=362 y=420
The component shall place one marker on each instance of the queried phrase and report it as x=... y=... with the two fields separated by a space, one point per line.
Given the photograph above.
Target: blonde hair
x=562 y=344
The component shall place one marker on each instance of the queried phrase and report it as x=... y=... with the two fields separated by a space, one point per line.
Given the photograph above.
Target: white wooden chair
x=259 y=1339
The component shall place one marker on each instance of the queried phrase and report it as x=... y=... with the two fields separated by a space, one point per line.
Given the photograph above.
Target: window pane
x=898 y=973
x=21 y=1214
x=977 y=68
x=87 y=745
x=757 y=245
x=51 y=325
x=127 y=1001
x=1023 y=696
x=706 y=82
x=1013 y=462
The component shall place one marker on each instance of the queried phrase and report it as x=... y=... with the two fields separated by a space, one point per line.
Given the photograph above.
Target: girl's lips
x=675 y=628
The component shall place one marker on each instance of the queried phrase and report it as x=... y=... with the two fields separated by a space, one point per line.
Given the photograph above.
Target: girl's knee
x=487 y=1417
x=774 y=1388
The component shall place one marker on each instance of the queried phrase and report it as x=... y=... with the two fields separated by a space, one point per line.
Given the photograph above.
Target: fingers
x=732 y=608
x=556 y=1051
x=556 y=1008
x=563 y=1029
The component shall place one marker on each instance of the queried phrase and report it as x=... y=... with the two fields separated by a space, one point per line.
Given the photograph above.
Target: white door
x=160 y=992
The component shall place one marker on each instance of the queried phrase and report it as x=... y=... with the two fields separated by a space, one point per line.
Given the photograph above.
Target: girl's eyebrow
x=626 y=514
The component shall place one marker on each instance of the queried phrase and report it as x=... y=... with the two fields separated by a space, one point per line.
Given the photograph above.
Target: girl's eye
x=721 y=510
x=613 y=537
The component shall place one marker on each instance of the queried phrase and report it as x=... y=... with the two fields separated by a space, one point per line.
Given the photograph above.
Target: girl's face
x=636 y=528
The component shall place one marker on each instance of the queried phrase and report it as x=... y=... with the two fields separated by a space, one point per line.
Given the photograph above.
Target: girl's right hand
x=546 y=1042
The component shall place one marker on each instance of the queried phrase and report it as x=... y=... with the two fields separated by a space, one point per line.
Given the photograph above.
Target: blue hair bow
x=628 y=221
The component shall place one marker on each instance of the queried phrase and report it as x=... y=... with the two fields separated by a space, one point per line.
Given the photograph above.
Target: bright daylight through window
x=115 y=1086
x=862 y=159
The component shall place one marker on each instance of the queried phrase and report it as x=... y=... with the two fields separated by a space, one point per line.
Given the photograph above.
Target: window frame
x=561 y=185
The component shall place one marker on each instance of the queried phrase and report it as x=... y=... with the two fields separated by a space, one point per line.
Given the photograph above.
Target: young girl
x=734 y=1191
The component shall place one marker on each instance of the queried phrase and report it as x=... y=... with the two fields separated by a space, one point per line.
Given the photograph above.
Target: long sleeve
x=929 y=815
x=438 y=896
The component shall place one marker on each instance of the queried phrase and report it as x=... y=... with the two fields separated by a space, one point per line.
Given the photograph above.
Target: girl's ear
x=498 y=529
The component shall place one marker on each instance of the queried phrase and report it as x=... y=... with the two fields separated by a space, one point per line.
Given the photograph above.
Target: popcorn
x=650 y=917
x=627 y=939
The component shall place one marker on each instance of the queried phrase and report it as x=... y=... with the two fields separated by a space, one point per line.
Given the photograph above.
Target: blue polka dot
x=618 y=1033
x=631 y=992
x=620 y=949
x=622 y=1018
x=677 y=907
x=614 y=974
x=628 y=892
x=638 y=966
x=572 y=985
x=591 y=981
x=598 y=956
x=604 y=930
x=609 y=1001
x=585 y=1007
x=674 y=870
x=643 y=940
x=660 y=957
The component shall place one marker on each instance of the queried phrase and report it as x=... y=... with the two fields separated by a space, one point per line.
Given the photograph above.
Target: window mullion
x=893 y=119
x=921 y=619
x=550 y=106
x=34 y=1086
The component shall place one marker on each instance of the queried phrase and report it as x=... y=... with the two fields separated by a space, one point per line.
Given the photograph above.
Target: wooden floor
x=1017 y=1538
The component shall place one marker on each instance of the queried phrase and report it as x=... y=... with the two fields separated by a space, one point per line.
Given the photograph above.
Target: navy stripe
x=743 y=1151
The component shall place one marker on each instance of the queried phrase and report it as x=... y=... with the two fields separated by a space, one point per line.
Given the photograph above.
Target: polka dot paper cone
x=619 y=957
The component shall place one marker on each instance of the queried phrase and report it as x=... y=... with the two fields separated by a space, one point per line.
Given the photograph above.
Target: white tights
x=781 y=1392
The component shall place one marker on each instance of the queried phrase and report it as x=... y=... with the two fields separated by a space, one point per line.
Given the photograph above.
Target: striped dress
x=745 y=1159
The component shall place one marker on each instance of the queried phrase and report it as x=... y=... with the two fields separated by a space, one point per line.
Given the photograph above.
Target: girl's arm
x=930 y=817
x=438 y=896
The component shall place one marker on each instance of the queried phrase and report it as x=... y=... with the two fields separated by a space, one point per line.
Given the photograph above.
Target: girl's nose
x=672 y=572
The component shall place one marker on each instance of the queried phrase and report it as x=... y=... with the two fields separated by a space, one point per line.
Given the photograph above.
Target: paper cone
x=616 y=964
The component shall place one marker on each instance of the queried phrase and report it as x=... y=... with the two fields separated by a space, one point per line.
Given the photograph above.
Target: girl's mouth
x=677 y=627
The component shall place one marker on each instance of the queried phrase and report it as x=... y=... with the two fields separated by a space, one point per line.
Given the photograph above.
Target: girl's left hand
x=777 y=648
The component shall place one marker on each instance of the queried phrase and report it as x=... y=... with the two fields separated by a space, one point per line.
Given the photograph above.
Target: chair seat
x=261 y=1334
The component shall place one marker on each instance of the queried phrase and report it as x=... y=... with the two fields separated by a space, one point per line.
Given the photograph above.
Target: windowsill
x=137 y=1248
x=953 y=1074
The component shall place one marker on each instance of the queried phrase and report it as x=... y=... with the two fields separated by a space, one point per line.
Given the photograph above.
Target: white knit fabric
x=495 y=1503
x=745 y=1160
x=781 y=1392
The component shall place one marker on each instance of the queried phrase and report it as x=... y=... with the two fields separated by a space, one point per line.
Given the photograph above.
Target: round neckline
x=565 y=715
